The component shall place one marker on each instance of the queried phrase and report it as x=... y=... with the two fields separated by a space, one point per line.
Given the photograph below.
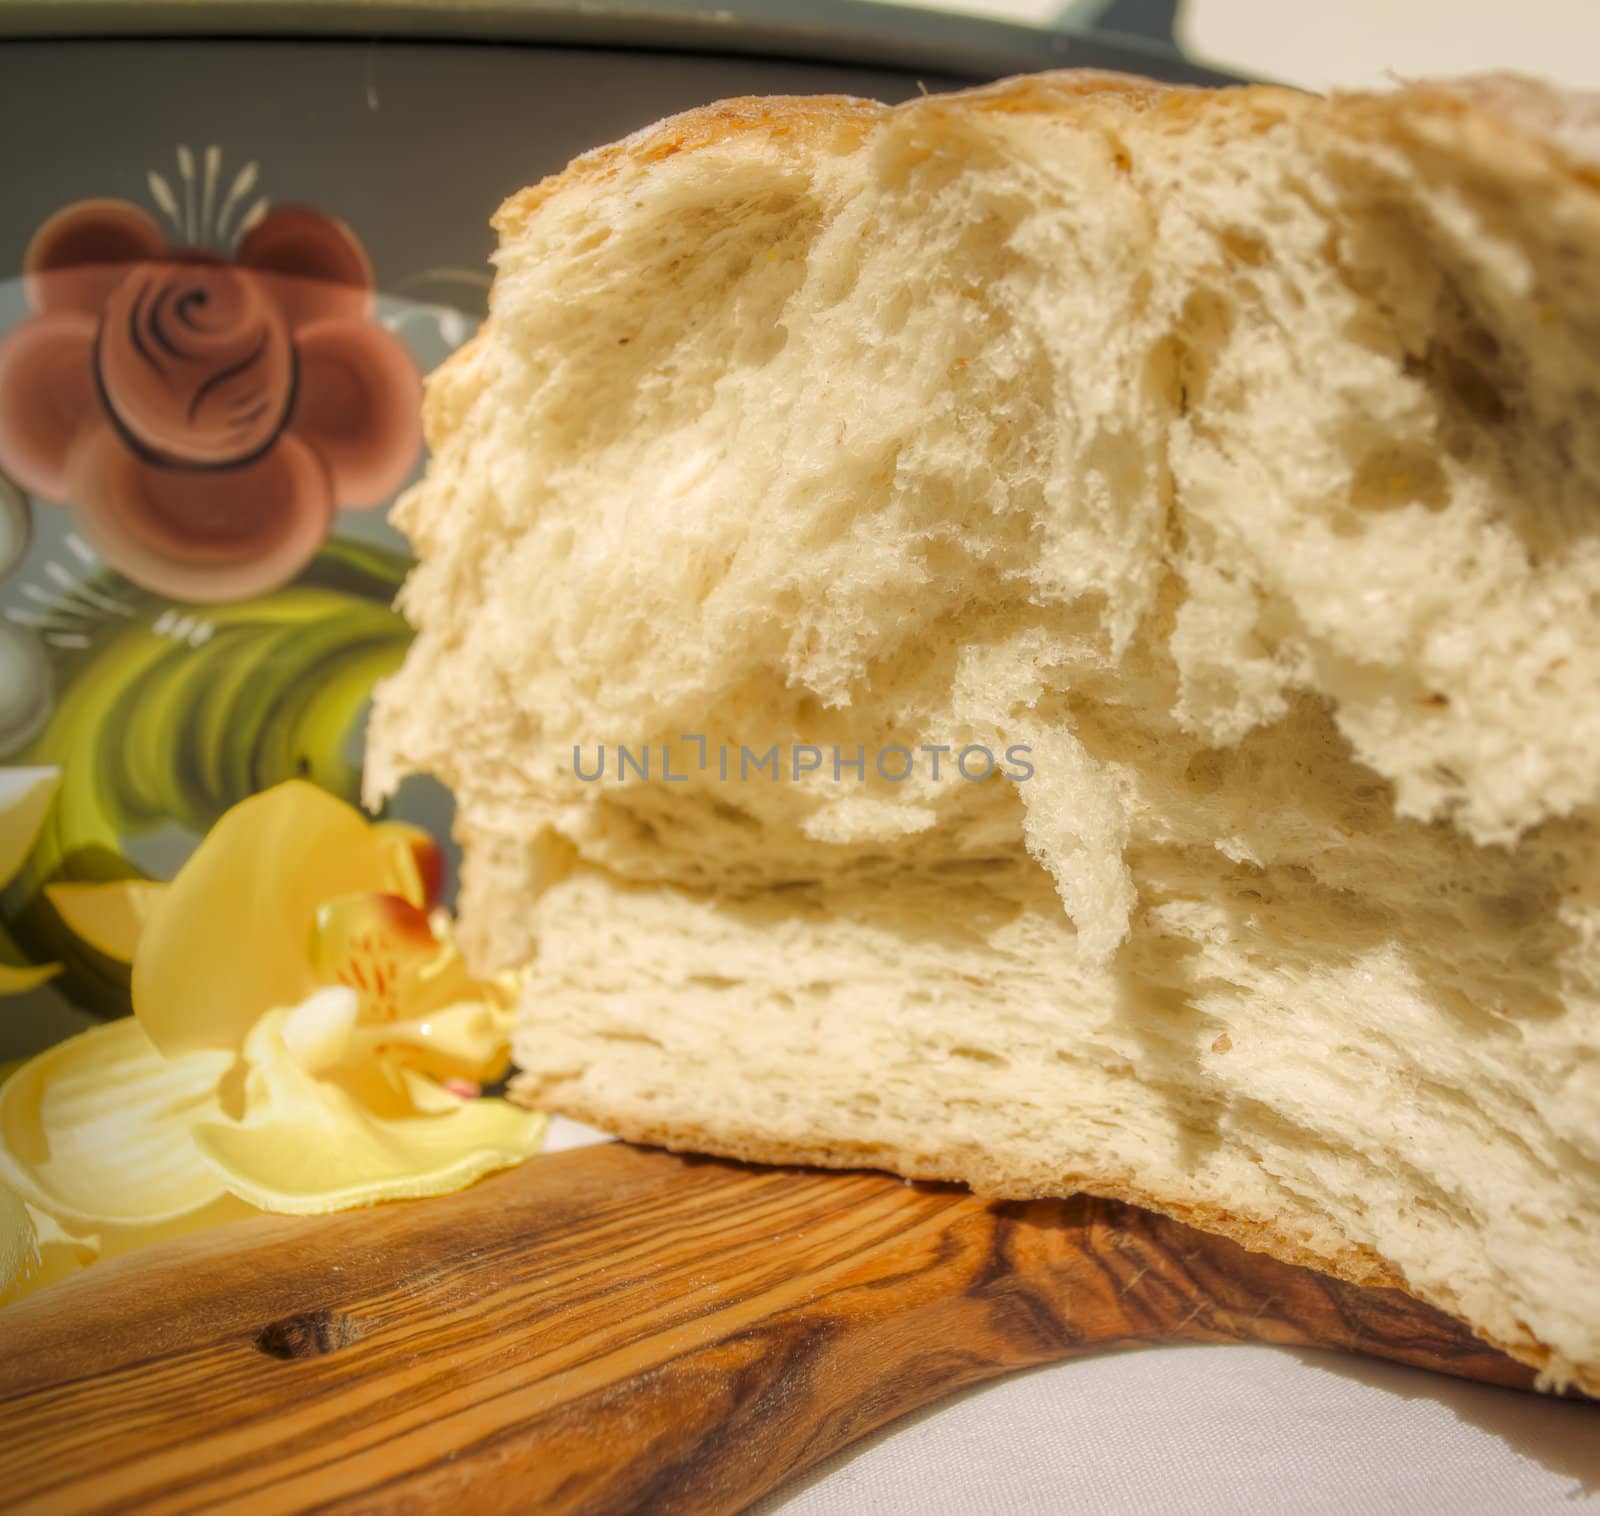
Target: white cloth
x=1238 y=1431
x=1231 y=1430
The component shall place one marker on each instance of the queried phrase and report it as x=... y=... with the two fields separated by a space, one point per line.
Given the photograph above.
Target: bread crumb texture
x=1238 y=454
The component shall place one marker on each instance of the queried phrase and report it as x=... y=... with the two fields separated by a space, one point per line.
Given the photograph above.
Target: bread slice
x=1230 y=460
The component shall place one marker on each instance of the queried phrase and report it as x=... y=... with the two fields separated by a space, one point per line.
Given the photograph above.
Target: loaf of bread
x=1208 y=484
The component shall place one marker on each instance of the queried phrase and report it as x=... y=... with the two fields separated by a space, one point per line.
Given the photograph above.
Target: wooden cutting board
x=610 y=1329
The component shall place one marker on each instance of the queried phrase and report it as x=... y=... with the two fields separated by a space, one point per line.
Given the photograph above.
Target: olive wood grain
x=611 y=1329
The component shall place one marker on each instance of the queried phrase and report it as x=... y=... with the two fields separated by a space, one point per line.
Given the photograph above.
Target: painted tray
x=224 y=267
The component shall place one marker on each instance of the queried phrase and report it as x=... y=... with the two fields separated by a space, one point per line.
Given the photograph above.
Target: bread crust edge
x=1355 y=1264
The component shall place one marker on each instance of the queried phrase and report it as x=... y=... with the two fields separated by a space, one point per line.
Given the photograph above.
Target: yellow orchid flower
x=307 y=1144
x=25 y=796
x=305 y=1038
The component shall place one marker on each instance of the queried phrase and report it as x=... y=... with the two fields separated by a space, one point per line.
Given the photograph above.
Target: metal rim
x=837 y=31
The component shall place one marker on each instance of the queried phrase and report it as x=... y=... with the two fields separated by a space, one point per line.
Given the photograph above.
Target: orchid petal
x=227 y=941
x=116 y=1240
x=96 y=1129
x=19 y=979
x=415 y=860
x=109 y=917
x=374 y=943
x=426 y=1096
x=25 y=796
x=385 y=949
x=19 y=1243
x=467 y=1041
x=305 y=1146
x=34 y=1249
x=317 y=1031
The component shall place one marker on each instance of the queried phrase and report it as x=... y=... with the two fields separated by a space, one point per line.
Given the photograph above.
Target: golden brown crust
x=1561 y=126
x=844 y=120
x=1353 y=1263
x=450 y=388
x=1564 y=123
x=798 y=117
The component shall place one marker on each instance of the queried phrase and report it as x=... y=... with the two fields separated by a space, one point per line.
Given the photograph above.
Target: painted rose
x=204 y=417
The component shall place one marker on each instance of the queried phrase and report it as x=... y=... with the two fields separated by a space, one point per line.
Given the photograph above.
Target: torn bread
x=1232 y=457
